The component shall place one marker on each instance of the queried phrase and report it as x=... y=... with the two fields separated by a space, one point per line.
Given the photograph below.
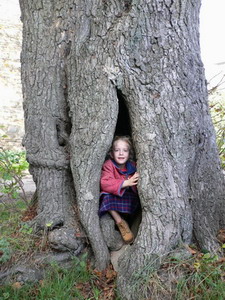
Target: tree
x=91 y=69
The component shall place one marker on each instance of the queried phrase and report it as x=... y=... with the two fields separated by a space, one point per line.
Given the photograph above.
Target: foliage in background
x=12 y=168
x=217 y=109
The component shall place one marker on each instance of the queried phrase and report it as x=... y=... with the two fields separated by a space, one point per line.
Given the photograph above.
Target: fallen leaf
x=221 y=236
x=41 y=282
x=16 y=285
x=110 y=274
x=191 y=250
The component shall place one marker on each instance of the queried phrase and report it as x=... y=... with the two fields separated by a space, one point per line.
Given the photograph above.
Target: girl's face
x=120 y=152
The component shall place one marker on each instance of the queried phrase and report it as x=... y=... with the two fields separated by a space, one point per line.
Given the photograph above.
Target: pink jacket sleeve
x=109 y=183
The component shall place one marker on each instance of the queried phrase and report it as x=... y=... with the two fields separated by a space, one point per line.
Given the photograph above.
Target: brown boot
x=125 y=231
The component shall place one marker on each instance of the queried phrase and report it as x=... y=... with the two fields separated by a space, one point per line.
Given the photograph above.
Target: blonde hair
x=127 y=139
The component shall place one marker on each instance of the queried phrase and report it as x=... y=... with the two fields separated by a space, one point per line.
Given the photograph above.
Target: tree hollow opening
x=109 y=228
x=123 y=126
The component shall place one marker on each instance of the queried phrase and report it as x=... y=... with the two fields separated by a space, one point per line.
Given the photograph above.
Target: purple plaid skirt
x=128 y=203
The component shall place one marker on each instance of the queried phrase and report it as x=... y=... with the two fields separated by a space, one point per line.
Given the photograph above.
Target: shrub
x=12 y=167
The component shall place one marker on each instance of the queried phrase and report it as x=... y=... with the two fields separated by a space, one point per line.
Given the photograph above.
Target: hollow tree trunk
x=94 y=57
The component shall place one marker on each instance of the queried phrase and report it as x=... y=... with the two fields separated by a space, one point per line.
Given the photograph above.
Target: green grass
x=206 y=281
x=16 y=237
x=60 y=284
x=79 y=282
x=201 y=277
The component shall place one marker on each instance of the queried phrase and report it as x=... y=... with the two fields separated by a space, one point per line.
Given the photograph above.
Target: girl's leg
x=116 y=216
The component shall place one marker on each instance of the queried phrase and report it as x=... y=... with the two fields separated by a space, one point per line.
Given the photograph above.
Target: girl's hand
x=133 y=180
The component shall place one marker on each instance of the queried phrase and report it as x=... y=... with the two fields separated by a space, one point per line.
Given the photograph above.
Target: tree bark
x=47 y=120
x=80 y=61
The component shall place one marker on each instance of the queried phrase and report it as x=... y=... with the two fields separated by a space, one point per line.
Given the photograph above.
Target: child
x=118 y=185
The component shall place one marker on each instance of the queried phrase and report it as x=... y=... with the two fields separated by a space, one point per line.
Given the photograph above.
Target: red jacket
x=112 y=178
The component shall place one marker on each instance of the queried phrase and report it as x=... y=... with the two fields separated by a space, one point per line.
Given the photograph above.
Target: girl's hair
x=127 y=139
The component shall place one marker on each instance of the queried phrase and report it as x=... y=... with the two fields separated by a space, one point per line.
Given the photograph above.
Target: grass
x=205 y=281
x=17 y=238
x=77 y=282
x=201 y=277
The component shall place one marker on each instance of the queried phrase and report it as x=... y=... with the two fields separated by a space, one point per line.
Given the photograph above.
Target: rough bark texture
x=80 y=60
x=47 y=122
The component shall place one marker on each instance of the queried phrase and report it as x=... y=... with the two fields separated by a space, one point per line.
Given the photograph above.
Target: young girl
x=118 y=185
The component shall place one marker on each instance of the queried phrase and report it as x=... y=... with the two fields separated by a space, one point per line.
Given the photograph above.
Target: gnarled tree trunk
x=91 y=69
